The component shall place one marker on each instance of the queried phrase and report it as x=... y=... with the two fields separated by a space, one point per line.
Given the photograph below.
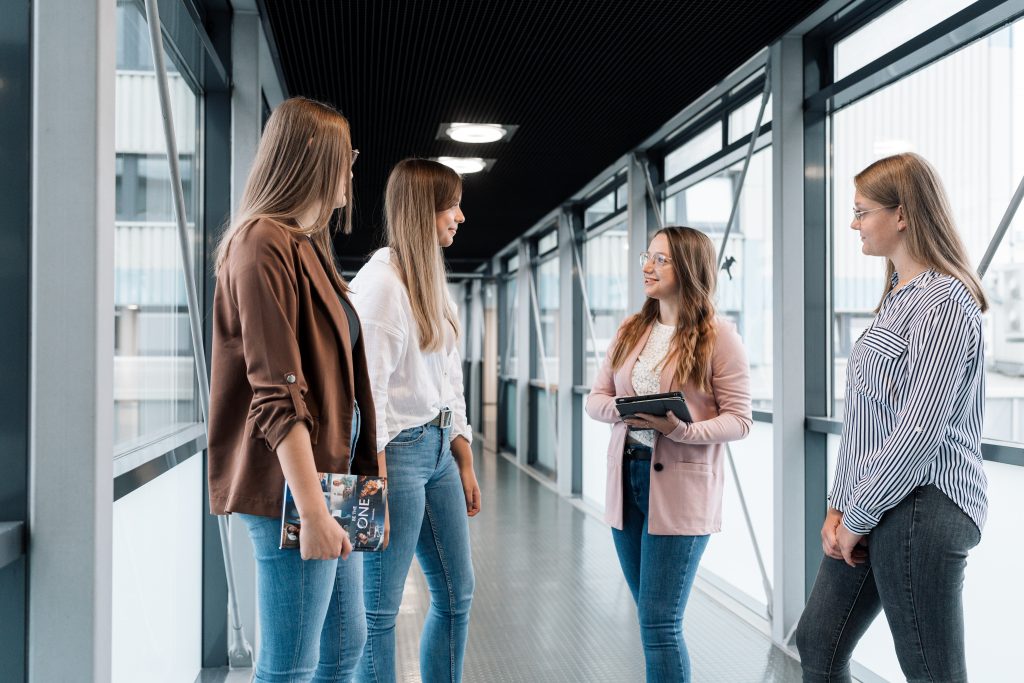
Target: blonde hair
x=417 y=190
x=910 y=182
x=693 y=263
x=304 y=156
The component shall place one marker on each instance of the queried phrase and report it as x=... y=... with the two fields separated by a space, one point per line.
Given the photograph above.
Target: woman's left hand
x=472 y=490
x=852 y=546
x=665 y=425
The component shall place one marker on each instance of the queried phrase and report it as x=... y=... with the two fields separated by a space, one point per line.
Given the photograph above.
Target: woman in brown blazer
x=288 y=380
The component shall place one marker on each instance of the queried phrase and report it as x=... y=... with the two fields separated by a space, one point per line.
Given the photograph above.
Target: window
x=960 y=114
x=698 y=148
x=745 y=278
x=890 y=30
x=743 y=118
x=606 y=269
x=154 y=373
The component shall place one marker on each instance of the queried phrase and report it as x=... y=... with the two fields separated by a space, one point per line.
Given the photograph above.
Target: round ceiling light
x=476 y=132
x=464 y=165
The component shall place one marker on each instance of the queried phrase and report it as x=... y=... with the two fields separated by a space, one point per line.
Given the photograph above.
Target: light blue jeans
x=312 y=624
x=427 y=508
x=659 y=571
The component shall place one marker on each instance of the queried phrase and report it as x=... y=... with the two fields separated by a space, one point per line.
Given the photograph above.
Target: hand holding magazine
x=357 y=502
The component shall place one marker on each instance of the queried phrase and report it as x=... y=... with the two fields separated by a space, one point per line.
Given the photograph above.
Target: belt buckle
x=445 y=418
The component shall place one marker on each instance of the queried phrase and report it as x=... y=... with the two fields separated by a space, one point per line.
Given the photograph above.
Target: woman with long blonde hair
x=664 y=485
x=412 y=333
x=910 y=494
x=288 y=379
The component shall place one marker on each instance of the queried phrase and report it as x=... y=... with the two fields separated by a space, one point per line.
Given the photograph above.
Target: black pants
x=915 y=572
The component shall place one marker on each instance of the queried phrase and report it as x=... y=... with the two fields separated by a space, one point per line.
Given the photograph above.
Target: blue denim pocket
x=408 y=437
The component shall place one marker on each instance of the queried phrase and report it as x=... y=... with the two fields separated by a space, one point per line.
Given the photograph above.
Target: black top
x=353 y=320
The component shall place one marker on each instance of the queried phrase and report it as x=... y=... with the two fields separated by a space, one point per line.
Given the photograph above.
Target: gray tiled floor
x=551 y=603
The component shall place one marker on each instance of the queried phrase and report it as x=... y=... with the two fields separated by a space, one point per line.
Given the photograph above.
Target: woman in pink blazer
x=666 y=476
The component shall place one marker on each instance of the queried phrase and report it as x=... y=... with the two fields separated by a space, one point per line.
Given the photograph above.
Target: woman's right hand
x=829 y=545
x=322 y=538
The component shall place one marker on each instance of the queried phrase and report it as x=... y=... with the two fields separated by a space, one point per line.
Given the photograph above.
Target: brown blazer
x=281 y=354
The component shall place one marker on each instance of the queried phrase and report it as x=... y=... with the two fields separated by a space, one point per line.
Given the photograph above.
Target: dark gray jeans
x=915 y=572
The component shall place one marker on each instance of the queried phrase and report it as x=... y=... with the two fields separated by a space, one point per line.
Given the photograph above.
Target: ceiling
x=585 y=81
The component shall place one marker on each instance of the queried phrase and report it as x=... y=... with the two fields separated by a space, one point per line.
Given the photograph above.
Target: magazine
x=355 y=501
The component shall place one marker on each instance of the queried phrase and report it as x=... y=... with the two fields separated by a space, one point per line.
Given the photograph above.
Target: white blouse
x=410 y=386
x=646 y=375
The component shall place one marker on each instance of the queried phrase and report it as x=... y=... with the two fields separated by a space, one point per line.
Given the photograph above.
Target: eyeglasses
x=859 y=215
x=355 y=155
x=659 y=259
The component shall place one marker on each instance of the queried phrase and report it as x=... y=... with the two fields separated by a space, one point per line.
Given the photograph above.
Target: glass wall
x=606 y=268
x=508 y=355
x=544 y=360
x=745 y=278
x=957 y=113
x=154 y=374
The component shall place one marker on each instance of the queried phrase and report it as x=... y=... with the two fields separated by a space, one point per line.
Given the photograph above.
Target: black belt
x=443 y=419
x=637 y=452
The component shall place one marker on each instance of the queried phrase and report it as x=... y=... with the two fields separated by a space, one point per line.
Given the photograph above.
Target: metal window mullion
x=239 y=650
x=1001 y=229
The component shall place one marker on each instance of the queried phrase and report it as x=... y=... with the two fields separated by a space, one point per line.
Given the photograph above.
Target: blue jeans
x=915 y=572
x=312 y=624
x=660 y=572
x=427 y=508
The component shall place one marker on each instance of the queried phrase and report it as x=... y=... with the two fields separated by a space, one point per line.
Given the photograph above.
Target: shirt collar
x=919 y=281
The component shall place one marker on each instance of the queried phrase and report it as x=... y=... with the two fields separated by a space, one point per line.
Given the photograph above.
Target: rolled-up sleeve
x=460 y=420
x=263 y=288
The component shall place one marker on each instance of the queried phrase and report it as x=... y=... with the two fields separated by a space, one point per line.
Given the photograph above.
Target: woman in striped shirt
x=909 y=498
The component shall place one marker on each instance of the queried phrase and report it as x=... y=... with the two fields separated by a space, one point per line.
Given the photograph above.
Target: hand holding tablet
x=654 y=404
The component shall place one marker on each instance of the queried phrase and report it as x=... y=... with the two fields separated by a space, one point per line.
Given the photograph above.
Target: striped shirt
x=915 y=401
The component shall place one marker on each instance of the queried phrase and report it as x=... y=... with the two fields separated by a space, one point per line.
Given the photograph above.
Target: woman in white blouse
x=411 y=331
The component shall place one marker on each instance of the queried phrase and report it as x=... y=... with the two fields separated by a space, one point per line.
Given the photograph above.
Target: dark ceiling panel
x=585 y=81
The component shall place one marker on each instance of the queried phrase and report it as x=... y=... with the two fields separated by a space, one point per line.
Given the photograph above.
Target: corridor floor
x=551 y=603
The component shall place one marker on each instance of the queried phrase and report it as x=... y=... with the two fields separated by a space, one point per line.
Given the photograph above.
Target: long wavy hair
x=910 y=182
x=417 y=190
x=693 y=263
x=304 y=156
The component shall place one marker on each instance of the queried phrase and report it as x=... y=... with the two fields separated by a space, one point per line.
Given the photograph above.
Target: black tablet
x=654 y=404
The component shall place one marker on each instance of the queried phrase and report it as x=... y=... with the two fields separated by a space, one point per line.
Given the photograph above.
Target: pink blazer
x=686 y=493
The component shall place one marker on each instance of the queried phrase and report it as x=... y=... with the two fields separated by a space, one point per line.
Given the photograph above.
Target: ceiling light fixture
x=464 y=165
x=476 y=132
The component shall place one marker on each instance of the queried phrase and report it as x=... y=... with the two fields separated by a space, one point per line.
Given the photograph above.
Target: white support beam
x=568 y=336
x=788 y=330
x=72 y=341
x=524 y=353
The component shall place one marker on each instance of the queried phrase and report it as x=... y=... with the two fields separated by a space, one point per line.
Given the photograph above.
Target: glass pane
x=622 y=196
x=890 y=30
x=606 y=272
x=959 y=114
x=595 y=458
x=507 y=321
x=745 y=280
x=730 y=554
x=599 y=210
x=742 y=120
x=695 y=150
x=547 y=243
x=543 y=426
x=545 y=353
x=154 y=376
x=509 y=413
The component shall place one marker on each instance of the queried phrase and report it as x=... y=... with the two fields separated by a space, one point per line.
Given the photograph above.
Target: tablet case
x=655 y=404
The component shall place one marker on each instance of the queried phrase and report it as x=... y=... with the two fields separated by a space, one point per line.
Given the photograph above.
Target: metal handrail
x=239 y=650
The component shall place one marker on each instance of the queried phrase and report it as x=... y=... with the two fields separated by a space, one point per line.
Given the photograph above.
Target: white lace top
x=646 y=375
